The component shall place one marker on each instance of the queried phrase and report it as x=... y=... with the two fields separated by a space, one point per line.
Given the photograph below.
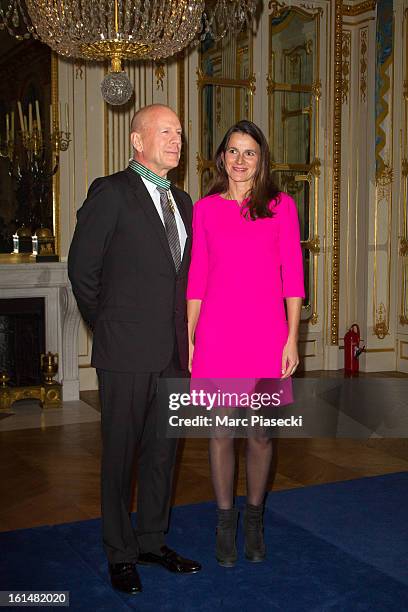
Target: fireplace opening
x=22 y=340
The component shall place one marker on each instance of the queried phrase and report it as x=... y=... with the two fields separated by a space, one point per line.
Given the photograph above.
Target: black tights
x=222 y=463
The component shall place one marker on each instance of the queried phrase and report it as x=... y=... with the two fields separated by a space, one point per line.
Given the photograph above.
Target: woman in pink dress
x=246 y=263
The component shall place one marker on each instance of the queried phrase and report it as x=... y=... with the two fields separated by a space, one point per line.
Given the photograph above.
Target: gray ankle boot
x=226 y=550
x=253 y=528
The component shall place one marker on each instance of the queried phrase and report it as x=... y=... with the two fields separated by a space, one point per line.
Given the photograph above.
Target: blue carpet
x=340 y=547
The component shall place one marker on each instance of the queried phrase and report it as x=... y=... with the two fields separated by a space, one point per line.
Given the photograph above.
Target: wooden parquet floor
x=51 y=475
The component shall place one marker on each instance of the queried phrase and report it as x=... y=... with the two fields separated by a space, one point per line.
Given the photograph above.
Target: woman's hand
x=193 y=314
x=290 y=358
x=190 y=356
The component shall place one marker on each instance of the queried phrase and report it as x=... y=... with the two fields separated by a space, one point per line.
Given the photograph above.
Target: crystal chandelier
x=222 y=16
x=15 y=19
x=123 y=29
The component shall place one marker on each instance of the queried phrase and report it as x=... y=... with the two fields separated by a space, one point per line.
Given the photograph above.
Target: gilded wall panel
x=349 y=202
x=363 y=63
x=403 y=216
x=384 y=173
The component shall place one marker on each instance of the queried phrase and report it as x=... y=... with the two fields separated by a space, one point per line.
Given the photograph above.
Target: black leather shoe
x=170 y=560
x=124 y=577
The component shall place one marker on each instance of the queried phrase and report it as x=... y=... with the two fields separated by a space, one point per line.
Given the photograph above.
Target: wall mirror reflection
x=292 y=101
x=31 y=137
x=226 y=85
x=299 y=190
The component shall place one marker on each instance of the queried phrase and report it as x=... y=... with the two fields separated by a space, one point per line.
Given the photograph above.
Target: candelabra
x=33 y=156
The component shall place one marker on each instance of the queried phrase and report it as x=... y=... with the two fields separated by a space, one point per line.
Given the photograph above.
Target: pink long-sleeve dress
x=242 y=270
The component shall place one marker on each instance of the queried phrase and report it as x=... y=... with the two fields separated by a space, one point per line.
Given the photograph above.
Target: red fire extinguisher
x=352 y=350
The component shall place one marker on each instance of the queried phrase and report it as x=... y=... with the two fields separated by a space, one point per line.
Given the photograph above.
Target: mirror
x=293 y=64
x=300 y=192
x=291 y=118
x=27 y=193
x=225 y=94
x=216 y=121
x=229 y=58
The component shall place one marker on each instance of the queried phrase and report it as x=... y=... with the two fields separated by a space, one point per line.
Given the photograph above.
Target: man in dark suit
x=128 y=265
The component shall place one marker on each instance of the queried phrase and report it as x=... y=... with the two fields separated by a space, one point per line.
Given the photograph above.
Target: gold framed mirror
x=226 y=85
x=29 y=112
x=293 y=116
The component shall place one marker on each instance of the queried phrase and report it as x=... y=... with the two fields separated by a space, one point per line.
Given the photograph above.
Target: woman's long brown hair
x=264 y=190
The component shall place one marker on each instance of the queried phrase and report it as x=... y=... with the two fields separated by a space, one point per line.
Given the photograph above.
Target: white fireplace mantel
x=50 y=281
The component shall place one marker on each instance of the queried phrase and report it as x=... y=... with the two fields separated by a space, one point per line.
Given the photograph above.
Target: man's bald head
x=155 y=135
x=144 y=116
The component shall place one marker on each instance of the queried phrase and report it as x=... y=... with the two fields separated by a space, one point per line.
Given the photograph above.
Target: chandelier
x=225 y=16
x=123 y=29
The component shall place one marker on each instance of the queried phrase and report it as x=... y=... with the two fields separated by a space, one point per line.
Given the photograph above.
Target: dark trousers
x=129 y=414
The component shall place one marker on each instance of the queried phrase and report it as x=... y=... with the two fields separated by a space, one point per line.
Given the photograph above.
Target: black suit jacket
x=123 y=276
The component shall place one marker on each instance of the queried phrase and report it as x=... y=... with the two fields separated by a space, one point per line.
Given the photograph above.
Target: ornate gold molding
x=50 y=396
x=181 y=111
x=335 y=268
x=363 y=64
x=313 y=172
x=317 y=89
x=314 y=319
x=383 y=199
x=312 y=8
x=203 y=164
x=385 y=176
x=383 y=181
x=276 y=8
x=351 y=10
x=203 y=79
x=313 y=244
x=56 y=177
x=200 y=77
x=403 y=247
x=252 y=83
x=403 y=239
x=79 y=65
x=159 y=73
x=346 y=45
x=381 y=327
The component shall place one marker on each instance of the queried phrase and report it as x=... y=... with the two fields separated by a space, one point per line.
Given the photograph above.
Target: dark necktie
x=171 y=227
